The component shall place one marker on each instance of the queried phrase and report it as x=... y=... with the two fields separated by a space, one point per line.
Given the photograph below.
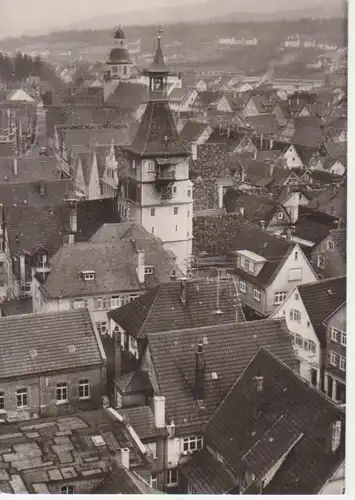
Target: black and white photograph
x=173 y=247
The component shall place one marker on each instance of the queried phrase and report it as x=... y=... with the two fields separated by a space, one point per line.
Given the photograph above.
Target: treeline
x=19 y=67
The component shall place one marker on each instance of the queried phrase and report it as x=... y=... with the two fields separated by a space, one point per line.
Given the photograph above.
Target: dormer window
x=336 y=435
x=88 y=275
x=149 y=270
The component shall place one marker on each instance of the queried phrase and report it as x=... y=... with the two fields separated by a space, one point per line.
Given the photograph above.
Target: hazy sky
x=19 y=16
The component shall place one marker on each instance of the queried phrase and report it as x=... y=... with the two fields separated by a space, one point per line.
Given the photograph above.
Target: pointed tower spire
x=158 y=73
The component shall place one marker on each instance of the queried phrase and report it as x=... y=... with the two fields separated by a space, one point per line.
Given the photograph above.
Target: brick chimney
x=159 y=411
x=183 y=297
x=15 y=166
x=200 y=373
x=124 y=456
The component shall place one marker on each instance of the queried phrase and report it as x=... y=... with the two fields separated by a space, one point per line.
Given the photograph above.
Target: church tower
x=119 y=64
x=156 y=191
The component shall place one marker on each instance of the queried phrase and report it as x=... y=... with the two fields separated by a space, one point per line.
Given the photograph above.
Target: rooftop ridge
x=319 y=283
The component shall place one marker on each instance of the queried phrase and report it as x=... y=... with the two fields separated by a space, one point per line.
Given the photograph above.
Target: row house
x=119 y=263
x=61 y=365
x=194 y=371
x=306 y=310
x=266 y=435
x=329 y=256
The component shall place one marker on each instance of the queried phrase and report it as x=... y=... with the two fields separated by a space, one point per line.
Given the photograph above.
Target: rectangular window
x=2 y=400
x=150 y=166
x=343 y=339
x=102 y=327
x=2 y=272
x=67 y=489
x=115 y=301
x=152 y=229
x=296 y=255
x=102 y=303
x=149 y=270
x=256 y=294
x=190 y=490
x=320 y=261
x=279 y=297
x=62 y=392
x=189 y=192
x=78 y=304
x=173 y=477
x=152 y=212
x=295 y=315
x=176 y=210
x=22 y=398
x=192 y=443
x=342 y=363
x=330 y=246
x=298 y=340
x=84 y=389
x=174 y=189
x=334 y=358
x=243 y=286
x=295 y=274
x=312 y=346
x=280 y=215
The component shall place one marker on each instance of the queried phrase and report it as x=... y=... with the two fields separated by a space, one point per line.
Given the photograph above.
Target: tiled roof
x=29 y=193
x=323 y=177
x=192 y=130
x=16 y=306
x=32 y=227
x=332 y=201
x=339 y=237
x=133 y=382
x=127 y=96
x=263 y=124
x=227 y=350
x=113 y=263
x=92 y=116
x=224 y=234
x=256 y=208
x=308 y=136
x=42 y=454
x=207 y=475
x=157 y=133
x=253 y=430
x=95 y=137
x=321 y=299
x=142 y=419
x=92 y=214
x=336 y=149
x=49 y=335
x=161 y=309
x=29 y=169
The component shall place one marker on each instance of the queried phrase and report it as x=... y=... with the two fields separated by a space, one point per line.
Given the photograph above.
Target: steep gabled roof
x=50 y=335
x=161 y=309
x=321 y=299
x=288 y=419
x=227 y=350
x=157 y=134
x=192 y=130
x=339 y=237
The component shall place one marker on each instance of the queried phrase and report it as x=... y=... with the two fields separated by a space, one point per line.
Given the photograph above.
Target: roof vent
x=329 y=292
x=218 y=312
x=71 y=348
x=214 y=376
x=33 y=353
x=98 y=440
x=205 y=340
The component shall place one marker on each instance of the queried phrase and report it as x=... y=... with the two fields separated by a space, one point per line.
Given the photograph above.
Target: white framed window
x=342 y=363
x=149 y=270
x=338 y=336
x=320 y=261
x=336 y=435
x=102 y=303
x=343 y=339
x=192 y=443
x=295 y=274
x=102 y=327
x=153 y=481
x=78 y=303
x=2 y=400
x=62 y=392
x=295 y=315
x=89 y=275
x=67 y=489
x=84 y=389
x=176 y=210
x=279 y=297
x=243 y=286
x=133 y=296
x=116 y=301
x=334 y=358
x=298 y=340
x=150 y=166
x=152 y=212
x=280 y=215
x=330 y=246
x=173 y=477
x=312 y=346
x=257 y=294
x=22 y=398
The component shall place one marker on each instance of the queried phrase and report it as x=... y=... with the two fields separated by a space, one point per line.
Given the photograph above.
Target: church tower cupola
x=158 y=74
x=119 y=64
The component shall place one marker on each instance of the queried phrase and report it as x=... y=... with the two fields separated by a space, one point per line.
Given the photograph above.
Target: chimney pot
x=159 y=411
x=200 y=372
x=125 y=457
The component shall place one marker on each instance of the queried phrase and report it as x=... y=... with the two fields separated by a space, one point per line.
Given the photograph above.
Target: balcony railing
x=163 y=175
